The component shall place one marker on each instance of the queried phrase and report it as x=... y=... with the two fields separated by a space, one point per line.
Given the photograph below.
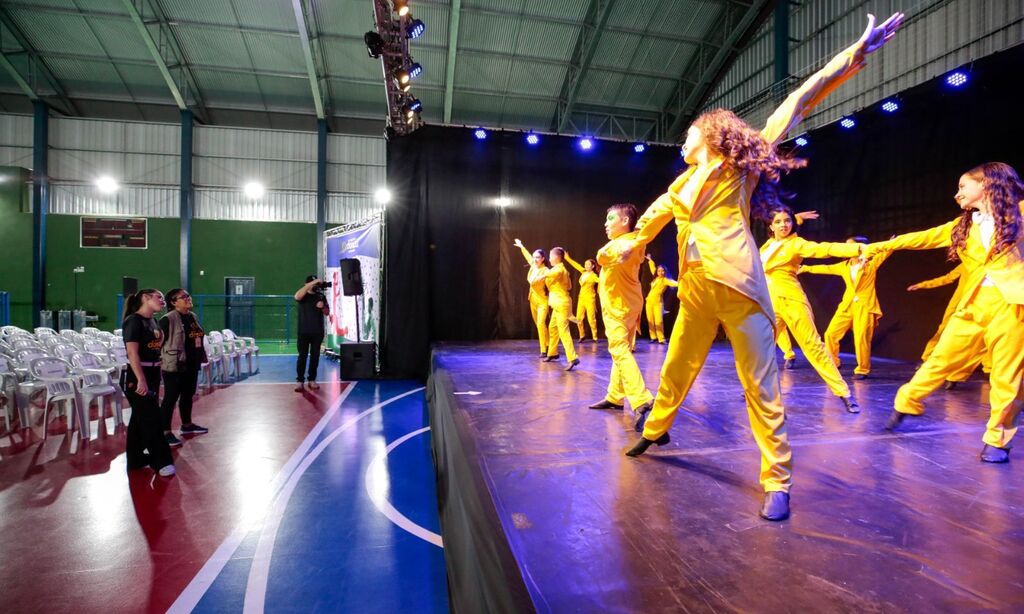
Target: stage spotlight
x=402 y=76
x=956 y=79
x=639 y=148
x=254 y=190
x=890 y=106
x=847 y=122
x=586 y=143
x=532 y=139
x=416 y=29
x=480 y=134
x=411 y=108
x=374 y=44
x=415 y=70
x=106 y=184
x=802 y=141
x=503 y=201
x=402 y=7
x=382 y=196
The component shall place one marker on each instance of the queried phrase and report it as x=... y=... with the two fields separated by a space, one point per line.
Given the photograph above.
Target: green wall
x=16 y=243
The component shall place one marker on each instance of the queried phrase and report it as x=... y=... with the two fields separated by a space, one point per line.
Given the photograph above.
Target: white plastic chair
x=94 y=383
x=41 y=331
x=64 y=351
x=54 y=376
x=117 y=358
x=8 y=390
x=229 y=356
x=240 y=346
x=214 y=363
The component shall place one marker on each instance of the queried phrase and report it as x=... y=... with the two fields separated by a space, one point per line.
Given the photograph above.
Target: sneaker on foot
x=172 y=441
x=167 y=471
x=299 y=387
x=313 y=385
x=193 y=429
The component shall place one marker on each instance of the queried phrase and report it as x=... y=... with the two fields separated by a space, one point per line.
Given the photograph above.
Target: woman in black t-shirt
x=141 y=382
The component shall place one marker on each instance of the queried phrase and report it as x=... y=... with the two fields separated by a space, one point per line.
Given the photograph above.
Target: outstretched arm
x=812 y=249
x=822 y=83
x=823 y=269
x=575 y=265
x=526 y=252
x=938 y=282
x=932 y=238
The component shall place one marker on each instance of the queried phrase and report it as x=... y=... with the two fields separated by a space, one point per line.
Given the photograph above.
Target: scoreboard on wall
x=123 y=232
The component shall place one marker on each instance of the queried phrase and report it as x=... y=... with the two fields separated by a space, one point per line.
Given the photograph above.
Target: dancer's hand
x=648 y=256
x=518 y=243
x=803 y=216
x=874 y=37
x=913 y=287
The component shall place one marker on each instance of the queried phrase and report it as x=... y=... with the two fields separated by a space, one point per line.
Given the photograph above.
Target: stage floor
x=906 y=521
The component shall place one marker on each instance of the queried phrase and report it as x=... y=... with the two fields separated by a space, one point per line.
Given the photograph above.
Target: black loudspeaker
x=358 y=360
x=129 y=285
x=351 y=277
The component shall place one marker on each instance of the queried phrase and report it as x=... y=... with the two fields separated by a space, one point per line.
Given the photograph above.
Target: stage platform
x=541 y=510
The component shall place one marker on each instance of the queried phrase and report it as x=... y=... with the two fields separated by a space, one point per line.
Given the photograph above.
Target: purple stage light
x=801 y=141
x=890 y=106
x=586 y=143
x=480 y=134
x=847 y=122
x=956 y=79
x=532 y=139
x=639 y=148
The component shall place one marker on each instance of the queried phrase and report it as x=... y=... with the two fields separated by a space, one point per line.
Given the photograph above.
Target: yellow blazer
x=588 y=279
x=536 y=277
x=860 y=295
x=1005 y=269
x=717 y=211
x=658 y=284
x=784 y=261
x=619 y=284
x=558 y=284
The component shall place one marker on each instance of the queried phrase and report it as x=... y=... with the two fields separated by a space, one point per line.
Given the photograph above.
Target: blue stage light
x=956 y=78
x=639 y=148
x=890 y=106
x=847 y=122
x=802 y=141
x=415 y=70
x=416 y=28
x=532 y=139
x=415 y=105
x=480 y=134
x=586 y=143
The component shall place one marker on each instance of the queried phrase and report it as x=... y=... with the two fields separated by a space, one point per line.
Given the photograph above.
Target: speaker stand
x=359 y=336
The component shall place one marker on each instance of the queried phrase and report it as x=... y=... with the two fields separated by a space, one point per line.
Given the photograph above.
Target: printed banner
x=362 y=242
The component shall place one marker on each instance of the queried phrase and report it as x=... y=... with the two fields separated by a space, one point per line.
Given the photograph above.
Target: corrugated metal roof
x=56 y=32
x=88 y=78
x=121 y=38
x=276 y=52
x=212 y=47
x=209 y=11
x=287 y=93
x=265 y=14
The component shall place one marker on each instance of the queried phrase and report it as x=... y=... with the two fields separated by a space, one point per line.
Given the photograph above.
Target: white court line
x=189 y=598
x=259 y=572
x=382 y=503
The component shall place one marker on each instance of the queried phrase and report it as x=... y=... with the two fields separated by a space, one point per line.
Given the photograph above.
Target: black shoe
x=950 y=385
x=992 y=454
x=605 y=404
x=172 y=441
x=572 y=364
x=895 y=418
x=641 y=417
x=550 y=358
x=543 y=355
x=644 y=443
x=851 y=404
x=789 y=364
x=141 y=464
x=775 y=506
x=860 y=376
x=193 y=429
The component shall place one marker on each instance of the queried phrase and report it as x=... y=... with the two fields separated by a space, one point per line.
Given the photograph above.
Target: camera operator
x=312 y=309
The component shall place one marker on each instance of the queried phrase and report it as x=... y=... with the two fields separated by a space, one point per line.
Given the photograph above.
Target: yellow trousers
x=968 y=369
x=998 y=326
x=587 y=310
x=785 y=343
x=558 y=330
x=626 y=380
x=797 y=317
x=539 y=313
x=863 y=325
x=655 y=320
x=703 y=305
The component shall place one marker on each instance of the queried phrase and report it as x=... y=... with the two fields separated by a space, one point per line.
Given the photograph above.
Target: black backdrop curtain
x=451 y=270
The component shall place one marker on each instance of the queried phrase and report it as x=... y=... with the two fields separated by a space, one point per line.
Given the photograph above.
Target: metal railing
x=5 y=308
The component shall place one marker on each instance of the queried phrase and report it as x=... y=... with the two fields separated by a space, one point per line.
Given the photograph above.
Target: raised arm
x=526 y=253
x=938 y=282
x=579 y=267
x=812 y=249
x=822 y=83
x=651 y=266
x=657 y=215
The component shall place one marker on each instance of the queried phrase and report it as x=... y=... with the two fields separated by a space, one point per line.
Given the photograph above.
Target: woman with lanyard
x=141 y=381
x=586 y=306
x=538 y=297
x=181 y=358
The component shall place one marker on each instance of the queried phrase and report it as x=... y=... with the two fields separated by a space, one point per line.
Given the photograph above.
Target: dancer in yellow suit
x=560 y=302
x=586 y=305
x=859 y=308
x=538 y=262
x=654 y=306
x=988 y=238
x=734 y=174
x=982 y=357
x=782 y=338
x=621 y=303
x=781 y=257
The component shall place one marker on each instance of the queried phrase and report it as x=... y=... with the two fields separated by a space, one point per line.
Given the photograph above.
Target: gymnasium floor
x=293 y=502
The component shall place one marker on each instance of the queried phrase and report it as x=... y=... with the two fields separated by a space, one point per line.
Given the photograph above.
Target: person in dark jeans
x=181 y=358
x=312 y=309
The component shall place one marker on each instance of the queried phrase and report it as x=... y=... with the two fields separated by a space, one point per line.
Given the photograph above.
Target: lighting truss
x=394 y=31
